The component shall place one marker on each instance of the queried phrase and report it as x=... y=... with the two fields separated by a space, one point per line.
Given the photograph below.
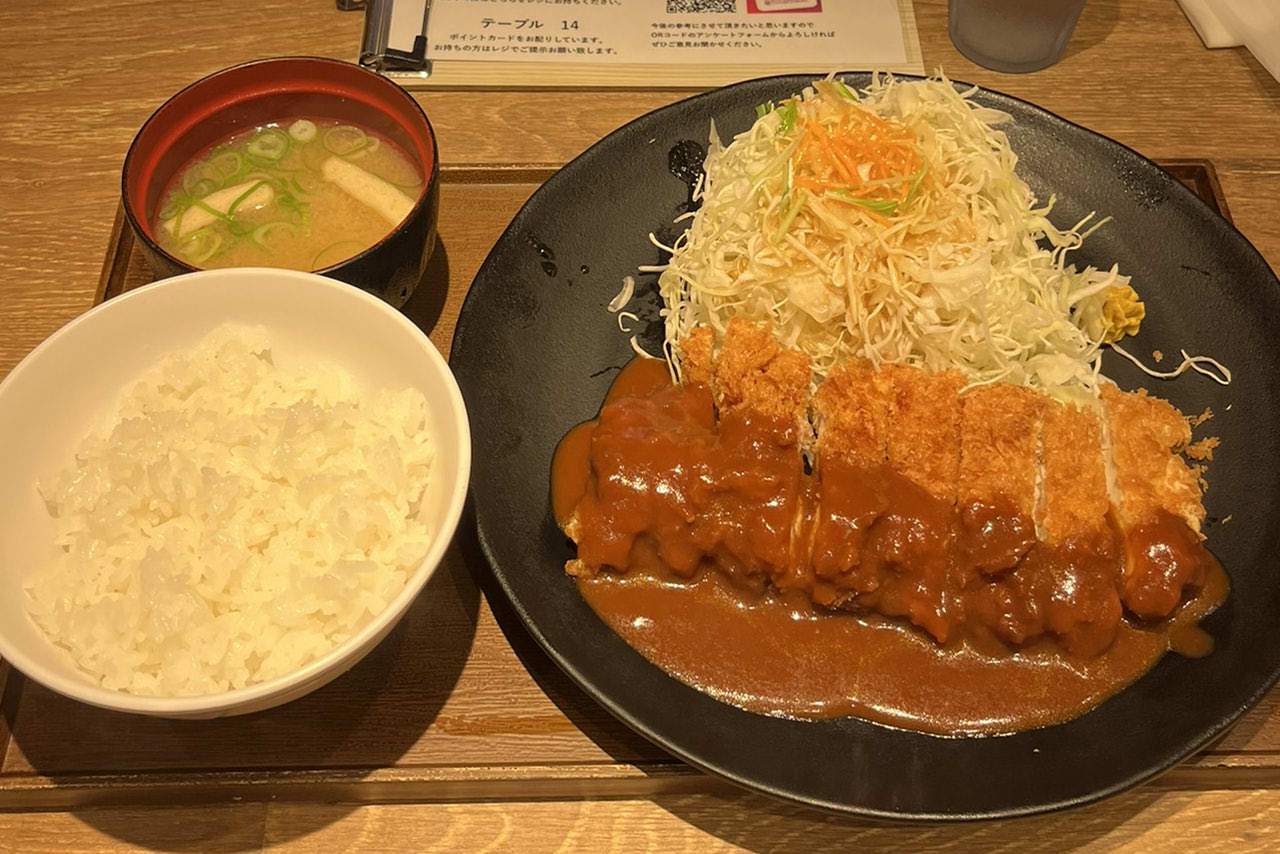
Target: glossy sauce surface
x=777 y=656
x=706 y=545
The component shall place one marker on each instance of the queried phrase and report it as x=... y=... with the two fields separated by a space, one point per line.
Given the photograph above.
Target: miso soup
x=301 y=193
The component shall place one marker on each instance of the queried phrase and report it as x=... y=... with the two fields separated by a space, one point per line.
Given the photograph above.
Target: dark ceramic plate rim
x=1188 y=747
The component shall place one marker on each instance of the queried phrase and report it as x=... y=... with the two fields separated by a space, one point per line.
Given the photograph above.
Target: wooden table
x=82 y=76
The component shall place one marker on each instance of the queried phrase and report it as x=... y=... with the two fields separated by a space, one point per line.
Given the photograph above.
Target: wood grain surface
x=1205 y=822
x=484 y=705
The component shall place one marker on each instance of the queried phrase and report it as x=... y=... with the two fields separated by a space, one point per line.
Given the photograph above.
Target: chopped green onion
x=915 y=184
x=231 y=209
x=209 y=210
x=843 y=90
x=263 y=232
x=315 y=262
x=787 y=114
x=227 y=163
x=887 y=207
x=313 y=156
x=239 y=229
x=303 y=130
x=201 y=180
x=300 y=211
x=345 y=140
x=789 y=216
x=269 y=145
x=763 y=110
x=414 y=186
x=175 y=207
x=200 y=245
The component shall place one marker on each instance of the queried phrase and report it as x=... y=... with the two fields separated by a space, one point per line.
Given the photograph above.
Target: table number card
x=694 y=43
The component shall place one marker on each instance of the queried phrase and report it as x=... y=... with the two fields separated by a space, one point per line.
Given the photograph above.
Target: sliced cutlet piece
x=996 y=493
x=1075 y=479
x=1157 y=499
x=575 y=451
x=695 y=356
x=852 y=408
x=754 y=373
x=924 y=436
x=1075 y=578
x=852 y=413
x=908 y=546
x=1146 y=435
x=756 y=481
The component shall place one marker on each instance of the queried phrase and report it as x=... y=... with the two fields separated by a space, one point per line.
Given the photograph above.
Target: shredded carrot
x=821 y=136
x=862 y=155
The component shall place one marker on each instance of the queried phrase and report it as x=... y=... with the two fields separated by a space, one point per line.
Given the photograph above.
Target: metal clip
x=375 y=52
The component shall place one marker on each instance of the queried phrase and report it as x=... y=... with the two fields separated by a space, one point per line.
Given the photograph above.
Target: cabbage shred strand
x=891 y=225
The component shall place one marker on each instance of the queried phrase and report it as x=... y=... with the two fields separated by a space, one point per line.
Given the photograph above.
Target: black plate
x=535 y=352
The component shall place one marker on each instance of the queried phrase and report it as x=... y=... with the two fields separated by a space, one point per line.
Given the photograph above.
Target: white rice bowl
x=221 y=601
x=237 y=521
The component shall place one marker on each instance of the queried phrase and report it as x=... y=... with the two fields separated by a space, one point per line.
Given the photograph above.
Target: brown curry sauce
x=694 y=524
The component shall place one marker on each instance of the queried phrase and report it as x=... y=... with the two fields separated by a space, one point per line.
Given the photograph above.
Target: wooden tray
x=458 y=703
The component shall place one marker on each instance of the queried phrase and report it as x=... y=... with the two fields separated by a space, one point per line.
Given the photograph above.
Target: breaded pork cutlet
x=1000 y=429
x=924 y=437
x=1152 y=484
x=754 y=374
x=695 y=356
x=1146 y=434
x=669 y=480
x=852 y=414
x=1075 y=479
x=999 y=451
x=989 y=510
x=852 y=408
x=1078 y=594
x=760 y=471
x=908 y=545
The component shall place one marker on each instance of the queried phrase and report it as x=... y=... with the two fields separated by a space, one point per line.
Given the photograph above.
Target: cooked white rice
x=236 y=521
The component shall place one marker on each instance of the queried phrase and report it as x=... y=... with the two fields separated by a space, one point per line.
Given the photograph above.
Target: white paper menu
x=818 y=32
x=742 y=38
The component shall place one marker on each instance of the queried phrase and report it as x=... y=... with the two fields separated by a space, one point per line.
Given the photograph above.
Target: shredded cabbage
x=950 y=264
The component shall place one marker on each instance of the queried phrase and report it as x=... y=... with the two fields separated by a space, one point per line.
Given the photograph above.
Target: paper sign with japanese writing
x=815 y=33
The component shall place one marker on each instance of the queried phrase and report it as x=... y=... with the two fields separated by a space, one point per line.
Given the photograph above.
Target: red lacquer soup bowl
x=260 y=92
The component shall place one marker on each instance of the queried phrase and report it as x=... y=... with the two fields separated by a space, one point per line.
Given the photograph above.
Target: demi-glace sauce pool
x=775 y=652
